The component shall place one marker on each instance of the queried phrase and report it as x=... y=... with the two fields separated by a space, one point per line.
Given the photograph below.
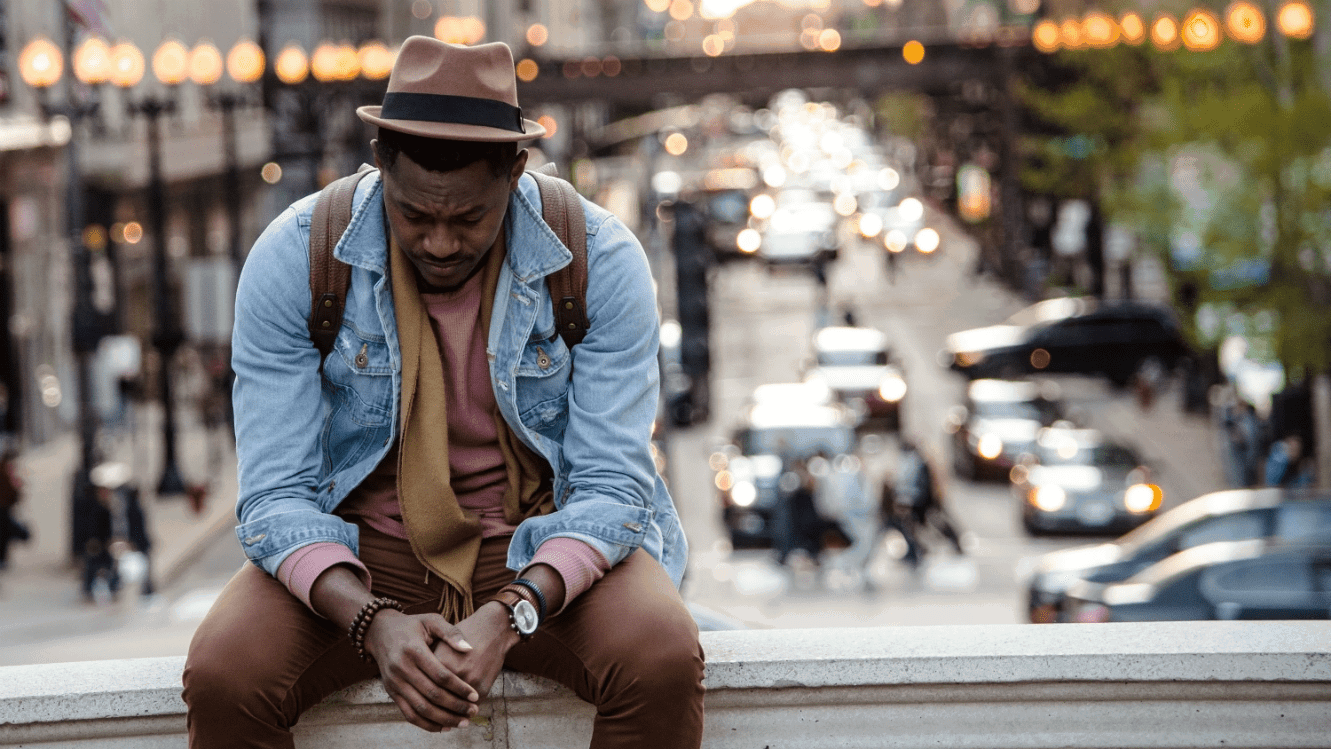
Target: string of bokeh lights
x=1201 y=29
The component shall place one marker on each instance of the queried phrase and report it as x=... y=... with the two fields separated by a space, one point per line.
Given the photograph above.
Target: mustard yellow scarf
x=443 y=536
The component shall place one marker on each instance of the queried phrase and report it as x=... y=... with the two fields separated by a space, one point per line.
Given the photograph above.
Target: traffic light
x=692 y=260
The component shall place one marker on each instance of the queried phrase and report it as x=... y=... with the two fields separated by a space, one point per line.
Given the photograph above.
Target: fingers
x=422 y=713
x=445 y=631
x=442 y=688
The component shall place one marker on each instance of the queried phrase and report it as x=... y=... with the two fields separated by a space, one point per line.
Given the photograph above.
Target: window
x=1282 y=574
x=1226 y=528
x=1303 y=521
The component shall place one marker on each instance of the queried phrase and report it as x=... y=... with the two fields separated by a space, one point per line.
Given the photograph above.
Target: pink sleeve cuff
x=301 y=568
x=578 y=563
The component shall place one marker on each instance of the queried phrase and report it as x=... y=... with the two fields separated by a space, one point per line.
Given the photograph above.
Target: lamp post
x=170 y=66
x=41 y=66
x=244 y=64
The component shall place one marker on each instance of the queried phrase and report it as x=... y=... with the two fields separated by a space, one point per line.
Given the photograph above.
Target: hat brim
x=451 y=130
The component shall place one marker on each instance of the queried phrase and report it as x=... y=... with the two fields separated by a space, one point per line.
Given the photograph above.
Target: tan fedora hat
x=441 y=90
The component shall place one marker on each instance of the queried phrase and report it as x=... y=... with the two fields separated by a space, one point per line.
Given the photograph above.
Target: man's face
x=445 y=222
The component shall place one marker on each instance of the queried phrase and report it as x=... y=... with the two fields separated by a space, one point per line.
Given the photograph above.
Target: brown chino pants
x=627 y=646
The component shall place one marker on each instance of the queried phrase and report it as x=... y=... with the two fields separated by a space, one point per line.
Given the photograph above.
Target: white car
x=856 y=365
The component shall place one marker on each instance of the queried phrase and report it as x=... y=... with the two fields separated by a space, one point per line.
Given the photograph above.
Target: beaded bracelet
x=540 y=597
x=361 y=625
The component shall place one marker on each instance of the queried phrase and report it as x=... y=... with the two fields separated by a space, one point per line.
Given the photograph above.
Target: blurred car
x=749 y=470
x=1076 y=480
x=1252 y=579
x=1231 y=515
x=857 y=366
x=997 y=424
x=1071 y=335
x=728 y=215
x=800 y=231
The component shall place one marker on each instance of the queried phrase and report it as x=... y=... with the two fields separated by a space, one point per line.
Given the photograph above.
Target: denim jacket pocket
x=542 y=384
x=358 y=374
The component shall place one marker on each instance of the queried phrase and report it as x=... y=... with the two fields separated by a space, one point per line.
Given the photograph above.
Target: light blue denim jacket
x=305 y=440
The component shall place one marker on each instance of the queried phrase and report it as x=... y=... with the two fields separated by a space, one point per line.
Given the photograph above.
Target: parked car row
x=1237 y=554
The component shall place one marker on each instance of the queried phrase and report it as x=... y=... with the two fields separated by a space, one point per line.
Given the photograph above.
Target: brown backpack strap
x=330 y=277
x=562 y=210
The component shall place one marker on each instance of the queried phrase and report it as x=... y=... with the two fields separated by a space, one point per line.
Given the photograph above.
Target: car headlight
x=1048 y=497
x=893 y=388
x=748 y=240
x=1143 y=498
x=744 y=493
x=990 y=446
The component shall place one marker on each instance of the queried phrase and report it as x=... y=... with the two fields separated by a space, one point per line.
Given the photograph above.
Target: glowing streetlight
x=376 y=60
x=1069 y=34
x=1245 y=22
x=681 y=10
x=913 y=52
x=527 y=70
x=323 y=63
x=245 y=62
x=92 y=61
x=537 y=34
x=829 y=40
x=550 y=124
x=292 y=65
x=676 y=144
x=713 y=45
x=1295 y=19
x=1045 y=36
x=657 y=6
x=171 y=62
x=205 y=64
x=40 y=63
x=1164 y=32
x=1133 y=28
x=1201 y=30
x=1099 y=30
x=127 y=65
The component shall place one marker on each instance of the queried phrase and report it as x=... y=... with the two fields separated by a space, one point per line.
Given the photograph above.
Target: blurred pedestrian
x=1286 y=465
x=798 y=524
x=916 y=503
x=11 y=492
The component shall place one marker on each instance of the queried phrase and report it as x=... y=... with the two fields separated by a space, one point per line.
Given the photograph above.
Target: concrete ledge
x=1186 y=684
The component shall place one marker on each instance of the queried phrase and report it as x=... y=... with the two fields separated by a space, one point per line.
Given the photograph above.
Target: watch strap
x=536 y=591
x=510 y=598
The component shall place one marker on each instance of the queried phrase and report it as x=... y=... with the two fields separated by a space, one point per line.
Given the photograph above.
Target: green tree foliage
x=1260 y=111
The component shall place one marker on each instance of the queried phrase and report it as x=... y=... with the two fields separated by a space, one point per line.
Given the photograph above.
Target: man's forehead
x=457 y=190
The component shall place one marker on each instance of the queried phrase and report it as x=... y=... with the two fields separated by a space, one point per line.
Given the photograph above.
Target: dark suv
x=1071 y=335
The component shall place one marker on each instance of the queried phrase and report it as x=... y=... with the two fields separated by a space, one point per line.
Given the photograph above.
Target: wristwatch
x=522 y=615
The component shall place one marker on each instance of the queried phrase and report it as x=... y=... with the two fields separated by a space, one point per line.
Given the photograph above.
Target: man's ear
x=374 y=149
x=519 y=166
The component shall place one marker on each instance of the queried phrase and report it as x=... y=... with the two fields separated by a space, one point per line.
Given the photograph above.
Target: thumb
x=442 y=629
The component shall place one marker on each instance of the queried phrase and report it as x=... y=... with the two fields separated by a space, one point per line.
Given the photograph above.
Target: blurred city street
x=949 y=292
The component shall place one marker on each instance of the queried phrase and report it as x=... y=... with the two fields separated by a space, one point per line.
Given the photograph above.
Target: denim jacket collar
x=533 y=249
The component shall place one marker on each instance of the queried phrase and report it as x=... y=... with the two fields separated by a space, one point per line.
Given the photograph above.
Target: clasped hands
x=436 y=672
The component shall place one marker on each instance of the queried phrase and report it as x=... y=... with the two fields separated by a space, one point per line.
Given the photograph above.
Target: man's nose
x=440 y=243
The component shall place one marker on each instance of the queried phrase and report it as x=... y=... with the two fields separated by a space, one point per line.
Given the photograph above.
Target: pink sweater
x=476 y=464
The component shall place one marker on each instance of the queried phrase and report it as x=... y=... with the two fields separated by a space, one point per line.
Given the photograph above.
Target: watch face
x=524 y=617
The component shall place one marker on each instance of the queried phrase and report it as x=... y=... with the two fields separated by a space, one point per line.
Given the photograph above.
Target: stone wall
x=1183 y=684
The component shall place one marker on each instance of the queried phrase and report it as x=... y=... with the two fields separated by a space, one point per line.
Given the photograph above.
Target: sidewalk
x=40 y=594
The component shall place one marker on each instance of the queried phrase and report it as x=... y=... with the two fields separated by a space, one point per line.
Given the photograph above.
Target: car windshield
x=797 y=441
x=1043 y=412
x=730 y=207
x=1089 y=455
x=1048 y=311
x=851 y=358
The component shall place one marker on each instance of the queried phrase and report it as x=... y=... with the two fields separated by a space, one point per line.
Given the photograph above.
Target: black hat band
x=460 y=110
